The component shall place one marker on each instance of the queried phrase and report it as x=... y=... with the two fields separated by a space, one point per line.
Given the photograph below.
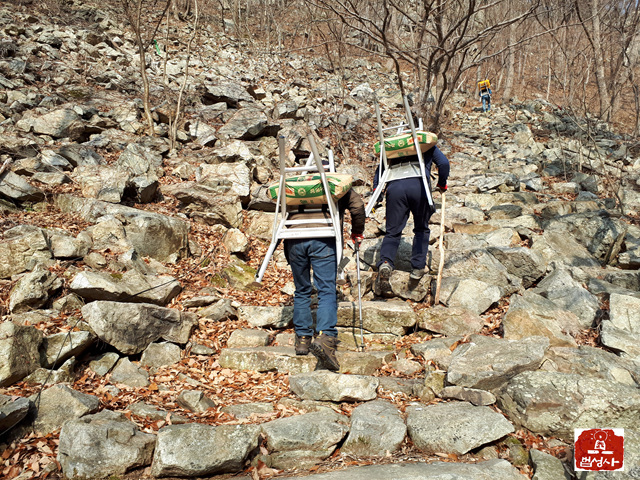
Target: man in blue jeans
x=406 y=194
x=319 y=254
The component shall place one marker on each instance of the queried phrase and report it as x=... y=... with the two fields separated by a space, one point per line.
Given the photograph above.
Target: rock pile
x=540 y=294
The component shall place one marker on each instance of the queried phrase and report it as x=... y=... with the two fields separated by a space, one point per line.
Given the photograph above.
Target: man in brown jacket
x=320 y=255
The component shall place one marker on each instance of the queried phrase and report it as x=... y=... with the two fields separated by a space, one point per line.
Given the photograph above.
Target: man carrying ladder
x=408 y=186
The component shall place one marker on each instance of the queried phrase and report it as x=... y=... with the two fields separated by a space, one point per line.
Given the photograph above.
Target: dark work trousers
x=404 y=196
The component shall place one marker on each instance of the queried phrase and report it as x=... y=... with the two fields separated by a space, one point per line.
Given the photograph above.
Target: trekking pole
x=436 y=299
x=357 y=249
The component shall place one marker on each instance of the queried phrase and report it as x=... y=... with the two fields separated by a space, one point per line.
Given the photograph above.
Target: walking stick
x=356 y=244
x=436 y=299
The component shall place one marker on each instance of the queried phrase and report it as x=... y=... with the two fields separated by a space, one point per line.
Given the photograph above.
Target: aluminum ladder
x=332 y=227
x=383 y=168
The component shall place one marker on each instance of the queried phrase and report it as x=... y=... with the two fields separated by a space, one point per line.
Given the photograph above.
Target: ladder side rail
x=416 y=144
x=383 y=165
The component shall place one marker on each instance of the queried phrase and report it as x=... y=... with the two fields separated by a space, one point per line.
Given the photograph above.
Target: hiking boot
x=324 y=349
x=302 y=345
x=385 y=271
x=417 y=273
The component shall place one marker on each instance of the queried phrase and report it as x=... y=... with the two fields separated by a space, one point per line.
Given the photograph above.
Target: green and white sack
x=308 y=189
x=402 y=145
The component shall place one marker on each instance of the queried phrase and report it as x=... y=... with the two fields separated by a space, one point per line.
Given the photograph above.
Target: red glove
x=442 y=188
x=357 y=238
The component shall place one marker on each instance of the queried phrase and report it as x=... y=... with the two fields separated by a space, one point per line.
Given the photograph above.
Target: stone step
x=285 y=360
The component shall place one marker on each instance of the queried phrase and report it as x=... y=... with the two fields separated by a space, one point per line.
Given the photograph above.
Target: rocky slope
x=132 y=340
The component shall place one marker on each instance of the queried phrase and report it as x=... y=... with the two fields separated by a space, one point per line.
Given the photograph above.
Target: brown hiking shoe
x=324 y=349
x=302 y=345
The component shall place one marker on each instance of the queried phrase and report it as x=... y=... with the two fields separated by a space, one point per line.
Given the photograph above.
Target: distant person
x=320 y=255
x=407 y=195
x=485 y=95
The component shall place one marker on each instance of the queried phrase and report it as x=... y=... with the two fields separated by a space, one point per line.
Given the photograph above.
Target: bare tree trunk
x=143 y=69
x=511 y=64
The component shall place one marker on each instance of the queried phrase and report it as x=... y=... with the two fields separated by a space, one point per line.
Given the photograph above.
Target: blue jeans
x=319 y=254
x=404 y=196
x=486 y=103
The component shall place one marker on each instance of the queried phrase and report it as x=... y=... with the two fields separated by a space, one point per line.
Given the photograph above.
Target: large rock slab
x=245 y=124
x=58 y=404
x=479 y=264
x=132 y=327
x=304 y=439
x=64 y=122
x=394 y=317
x=131 y=286
x=19 y=350
x=487 y=362
x=560 y=287
x=490 y=470
x=153 y=235
x=207 y=204
x=59 y=347
x=21 y=248
x=599 y=232
x=532 y=315
x=592 y=361
x=551 y=403
x=470 y=294
x=455 y=427
x=102 y=445
x=193 y=450
x=561 y=249
x=12 y=411
x=266 y=317
x=266 y=359
x=522 y=262
x=323 y=385
x=450 y=321
x=15 y=187
x=33 y=290
x=377 y=429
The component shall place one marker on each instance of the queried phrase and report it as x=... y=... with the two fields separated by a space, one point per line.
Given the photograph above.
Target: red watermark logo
x=599 y=449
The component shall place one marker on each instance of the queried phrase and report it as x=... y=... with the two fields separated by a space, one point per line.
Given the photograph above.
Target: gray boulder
x=102 y=182
x=592 y=361
x=152 y=235
x=129 y=374
x=102 y=445
x=562 y=250
x=161 y=354
x=12 y=411
x=133 y=327
x=487 y=362
x=266 y=359
x=303 y=440
x=138 y=160
x=469 y=294
x=221 y=449
x=323 y=385
x=224 y=91
x=195 y=401
x=58 y=404
x=33 y=290
x=248 y=338
x=472 y=395
x=377 y=429
x=547 y=467
x=21 y=249
x=450 y=321
x=393 y=317
x=551 y=403
x=15 y=187
x=560 y=287
x=601 y=233
x=245 y=124
x=481 y=265
x=266 y=317
x=19 y=348
x=533 y=315
x=59 y=347
x=131 y=286
x=455 y=427
x=522 y=262
x=60 y=123
x=208 y=205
